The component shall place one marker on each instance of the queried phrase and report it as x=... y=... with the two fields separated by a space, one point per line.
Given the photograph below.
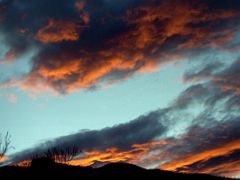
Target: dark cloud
x=123 y=136
x=229 y=78
x=84 y=44
x=227 y=165
x=212 y=140
x=205 y=73
x=221 y=75
x=207 y=149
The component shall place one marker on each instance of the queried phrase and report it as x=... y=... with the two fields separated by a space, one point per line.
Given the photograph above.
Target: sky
x=149 y=82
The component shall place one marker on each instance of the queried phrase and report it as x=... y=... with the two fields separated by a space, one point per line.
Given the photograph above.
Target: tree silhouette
x=62 y=155
x=5 y=142
x=57 y=155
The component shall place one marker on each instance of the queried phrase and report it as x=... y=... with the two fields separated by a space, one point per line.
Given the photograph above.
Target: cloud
x=211 y=142
x=203 y=74
x=97 y=43
x=9 y=57
x=157 y=23
x=133 y=155
x=228 y=79
x=122 y=137
x=56 y=31
x=221 y=76
x=206 y=150
x=223 y=166
x=2 y=159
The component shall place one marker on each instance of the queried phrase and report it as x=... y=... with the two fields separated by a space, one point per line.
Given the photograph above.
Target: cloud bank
x=89 y=44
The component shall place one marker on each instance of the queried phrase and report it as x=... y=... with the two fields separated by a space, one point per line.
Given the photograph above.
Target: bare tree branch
x=62 y=155
x=5 y=142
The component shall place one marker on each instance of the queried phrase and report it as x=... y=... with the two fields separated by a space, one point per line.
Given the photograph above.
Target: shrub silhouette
x=55 y=155
x=63 y=155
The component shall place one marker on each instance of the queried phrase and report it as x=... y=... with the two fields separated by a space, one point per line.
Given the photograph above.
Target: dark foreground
x=110 y=171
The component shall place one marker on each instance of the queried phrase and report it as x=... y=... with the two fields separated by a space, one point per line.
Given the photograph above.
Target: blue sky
x=60 y=115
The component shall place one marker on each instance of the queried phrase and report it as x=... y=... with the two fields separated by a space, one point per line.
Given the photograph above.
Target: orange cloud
x=4 y=158
x=156 y=152
x=202 y=156
x=26 y=163
x=85 y=16
x=44 y=77
x=155 y=24
x=134 y=155
x=57 y=31
x=59 y=71
x=228 y=169
x=79 y=5
x=32 y=84
x=231 y=88
x=92 y=75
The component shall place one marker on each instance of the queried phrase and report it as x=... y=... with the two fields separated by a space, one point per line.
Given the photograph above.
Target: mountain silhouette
x=46 y=169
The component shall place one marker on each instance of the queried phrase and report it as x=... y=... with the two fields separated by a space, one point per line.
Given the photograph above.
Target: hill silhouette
x=46 y=169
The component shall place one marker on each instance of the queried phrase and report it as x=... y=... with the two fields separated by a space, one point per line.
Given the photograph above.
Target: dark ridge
x=44 y=169
x=120 y=166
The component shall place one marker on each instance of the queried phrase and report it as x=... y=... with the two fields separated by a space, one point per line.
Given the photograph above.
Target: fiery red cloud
x=141 y=154
x=223 y=150
x=4 y=158
x=227 y=169
x=57 y=31
x=177 y=18
x=135 y=155
x=156 y=152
